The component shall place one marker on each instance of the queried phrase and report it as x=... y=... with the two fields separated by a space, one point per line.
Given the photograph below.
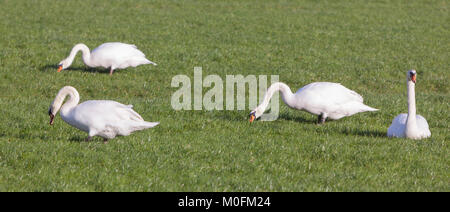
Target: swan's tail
x=367 y=108
x=147 y=124
x=136 y=126
x=150 y=62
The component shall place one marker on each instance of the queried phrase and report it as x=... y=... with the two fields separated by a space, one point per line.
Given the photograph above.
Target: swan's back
x=333 y=92
x=118 y=55
x=107 y=111
x=117 y=49
x=331 y=98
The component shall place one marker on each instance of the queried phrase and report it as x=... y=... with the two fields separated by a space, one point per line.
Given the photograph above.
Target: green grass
x=365 y=45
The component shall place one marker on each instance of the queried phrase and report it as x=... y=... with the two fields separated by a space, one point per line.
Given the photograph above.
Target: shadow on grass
x=234 y=116
x=78 y=139
x=81 y=139
x=47 y=67
x=297 y=119
x=244 y=116
x=54 y=68
x=365 y=133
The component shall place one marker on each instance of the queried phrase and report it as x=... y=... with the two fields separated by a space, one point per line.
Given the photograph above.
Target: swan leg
x=105 y=140
x=88 y=139
x=91 y=133
x=111 y=71
x=321 y=119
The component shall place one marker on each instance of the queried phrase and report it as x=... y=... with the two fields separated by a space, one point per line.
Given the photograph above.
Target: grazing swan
x=410 y=125
x=108 y=55
x=97 y=117
x=325 y=99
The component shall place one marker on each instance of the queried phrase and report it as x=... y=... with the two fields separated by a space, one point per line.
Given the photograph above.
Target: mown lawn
x=365 y=45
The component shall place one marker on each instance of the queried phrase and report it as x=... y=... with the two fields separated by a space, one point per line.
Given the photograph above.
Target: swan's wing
x=133 y=46
x=107 y=118
x=397 y=128
x=114 y=45
x=332 y=93
x=100 y=112
x=422 y=126
x=87 y=115
x=332 y=98
x=421 y=122
x=118 y=110
x=108 y=54
x=126 y=112
x=342 y=95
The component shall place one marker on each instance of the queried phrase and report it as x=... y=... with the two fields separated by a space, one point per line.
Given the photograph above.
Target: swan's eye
x=50 y=111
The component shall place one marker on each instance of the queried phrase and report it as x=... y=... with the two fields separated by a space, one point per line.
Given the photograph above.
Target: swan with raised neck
x=410 y=125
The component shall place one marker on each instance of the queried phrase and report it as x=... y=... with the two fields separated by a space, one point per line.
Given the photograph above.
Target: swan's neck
x=72 y=102
x=411 y=123
x=286 y=94
x=84 y=50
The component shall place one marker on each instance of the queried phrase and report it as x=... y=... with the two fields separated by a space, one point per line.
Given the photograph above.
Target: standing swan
x=104 y=118
x=325 y=99
x=108 y=55
x=410 y=125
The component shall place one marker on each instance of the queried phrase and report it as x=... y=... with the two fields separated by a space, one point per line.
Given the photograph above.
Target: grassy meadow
x=365 y=45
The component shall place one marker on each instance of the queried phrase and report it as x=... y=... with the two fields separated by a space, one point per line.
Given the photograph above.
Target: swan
x=325 y=99
x=102 y=118
x=410 y=125
x=108 y=55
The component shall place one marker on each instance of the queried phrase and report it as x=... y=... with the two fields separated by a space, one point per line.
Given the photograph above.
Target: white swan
x=410 y=125
x=325 y=99
x=108 y=55
x=102 y=118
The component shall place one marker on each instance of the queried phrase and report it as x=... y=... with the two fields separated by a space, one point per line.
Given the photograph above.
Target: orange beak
x=60 y=68
x=252 y=117
x=413 y=78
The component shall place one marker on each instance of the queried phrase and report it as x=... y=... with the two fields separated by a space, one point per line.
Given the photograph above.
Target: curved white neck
x=411 y=123
x=84 y=50
x=73 y=100
x=286 y=94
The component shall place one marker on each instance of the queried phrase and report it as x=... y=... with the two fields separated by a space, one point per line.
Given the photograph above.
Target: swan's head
x=412 y=75
x=63 y=65
x=55 y=106
x=255 y=114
